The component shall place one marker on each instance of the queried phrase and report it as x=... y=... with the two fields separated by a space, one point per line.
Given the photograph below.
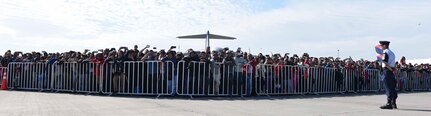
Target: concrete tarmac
x=19 y=103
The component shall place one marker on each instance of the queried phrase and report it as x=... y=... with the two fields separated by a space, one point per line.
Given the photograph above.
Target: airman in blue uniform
x=390 y=82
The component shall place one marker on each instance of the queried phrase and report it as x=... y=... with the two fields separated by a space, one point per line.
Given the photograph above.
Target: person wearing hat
x=179 y=56
x=388 y=65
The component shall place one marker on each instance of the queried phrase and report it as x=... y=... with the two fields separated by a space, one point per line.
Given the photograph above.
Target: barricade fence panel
x=420 y=80
x=371 y=80
x=281 y=79
x=367 y=80
x=402 y=80
x=416 y=80
x=213 y=79
x=86 y=77
x=109 y=68
x=326 y=80
x=76 y=77
x=351 y=76
x=29 y=76
x=139 y=78
x=63 y=75
x=428 y=81
x=410 y=80
x=415 y=77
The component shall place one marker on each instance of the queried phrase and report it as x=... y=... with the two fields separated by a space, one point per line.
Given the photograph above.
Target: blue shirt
x=389 y=58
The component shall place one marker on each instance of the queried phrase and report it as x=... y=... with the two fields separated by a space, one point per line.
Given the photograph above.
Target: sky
x=317 y=27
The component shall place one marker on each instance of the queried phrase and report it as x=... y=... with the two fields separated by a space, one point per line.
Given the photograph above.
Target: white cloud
x=316 y=27
x=321 y=28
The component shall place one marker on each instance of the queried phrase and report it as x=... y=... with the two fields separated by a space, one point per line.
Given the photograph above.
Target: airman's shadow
x=415 y=110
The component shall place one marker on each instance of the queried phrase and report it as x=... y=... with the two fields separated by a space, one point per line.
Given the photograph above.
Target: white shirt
x=391 y=58
x=239 y=61
x=216 y=67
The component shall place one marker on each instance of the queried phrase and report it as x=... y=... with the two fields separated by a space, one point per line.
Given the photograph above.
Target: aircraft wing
x=204 y=36
x=200 y=36
x=213 y=36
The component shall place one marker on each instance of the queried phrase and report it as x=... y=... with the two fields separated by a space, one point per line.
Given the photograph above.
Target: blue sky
x=319 y=28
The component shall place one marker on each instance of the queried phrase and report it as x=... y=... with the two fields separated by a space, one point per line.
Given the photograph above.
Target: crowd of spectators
x=147 y=54
x=221 y=55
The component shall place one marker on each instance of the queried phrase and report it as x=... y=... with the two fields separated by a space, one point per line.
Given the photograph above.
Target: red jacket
x=98 y=65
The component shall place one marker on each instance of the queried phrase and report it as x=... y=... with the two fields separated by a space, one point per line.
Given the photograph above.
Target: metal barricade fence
x=428 y=81
x=353 y=80
x=349 y=75
x=3 y=71
x=410 y=81
x=420 y=80
x=139 y=78
x=281 y=79
x=86 y=77
x=416 y=80
x=199 y=78
x=413 y=81
x=76 y=77
x=325 y=80
x=424 y=84
x=371 y=81
x=213 y=79
x=64 y=76
x=362 y=80
x=29 y=76
x=401 y=80
x=425 y=81
x=109 y=70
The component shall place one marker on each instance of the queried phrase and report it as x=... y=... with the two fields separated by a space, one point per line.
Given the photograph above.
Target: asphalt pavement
x=19 y=103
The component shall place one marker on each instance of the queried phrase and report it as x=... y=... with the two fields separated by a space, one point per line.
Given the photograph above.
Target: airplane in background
x=207 y=37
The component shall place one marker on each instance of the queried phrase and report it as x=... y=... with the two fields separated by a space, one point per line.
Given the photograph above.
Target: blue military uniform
x=389 y=80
